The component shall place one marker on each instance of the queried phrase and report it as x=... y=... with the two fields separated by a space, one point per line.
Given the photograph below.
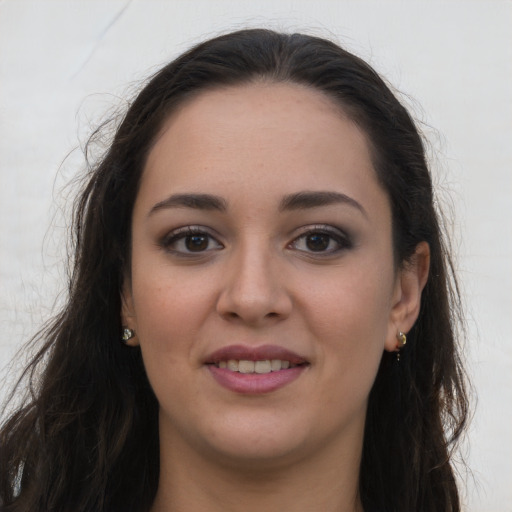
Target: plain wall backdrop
x=64 y=64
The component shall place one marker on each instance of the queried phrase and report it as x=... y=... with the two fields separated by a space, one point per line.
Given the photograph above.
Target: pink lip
x=254 y=383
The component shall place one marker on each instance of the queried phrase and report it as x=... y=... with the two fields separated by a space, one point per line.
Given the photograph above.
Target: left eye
x=318 y=241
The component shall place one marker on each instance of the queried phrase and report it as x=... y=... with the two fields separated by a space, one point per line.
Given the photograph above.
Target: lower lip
x=255 y=383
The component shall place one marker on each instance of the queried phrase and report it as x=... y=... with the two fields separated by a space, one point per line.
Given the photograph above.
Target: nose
x=254 y=290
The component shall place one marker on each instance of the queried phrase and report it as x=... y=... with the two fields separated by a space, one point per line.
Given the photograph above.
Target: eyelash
x=182 y=234
x=341 y=239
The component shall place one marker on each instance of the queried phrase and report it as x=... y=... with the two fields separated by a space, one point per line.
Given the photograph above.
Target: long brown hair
x=86 y=439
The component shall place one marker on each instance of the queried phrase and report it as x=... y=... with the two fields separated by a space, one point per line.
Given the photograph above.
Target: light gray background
x=63 y=64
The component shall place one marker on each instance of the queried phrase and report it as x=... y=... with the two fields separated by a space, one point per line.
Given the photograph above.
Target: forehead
x=257 y=98
x=268 y=137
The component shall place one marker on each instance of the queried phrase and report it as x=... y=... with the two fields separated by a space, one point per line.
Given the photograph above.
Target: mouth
x=261 y=366
x=255 y=370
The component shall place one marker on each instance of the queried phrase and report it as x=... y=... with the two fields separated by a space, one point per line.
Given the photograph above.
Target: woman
x=261 y=314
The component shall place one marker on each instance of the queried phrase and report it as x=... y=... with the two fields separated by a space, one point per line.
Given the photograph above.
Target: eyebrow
x=314 y=199
x=298 y=201
x=196 y=201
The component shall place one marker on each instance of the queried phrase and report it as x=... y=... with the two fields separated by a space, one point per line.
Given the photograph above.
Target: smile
x=255 y=370
x=260 y=367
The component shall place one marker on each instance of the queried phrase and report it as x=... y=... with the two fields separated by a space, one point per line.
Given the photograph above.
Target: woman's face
x=261 y=240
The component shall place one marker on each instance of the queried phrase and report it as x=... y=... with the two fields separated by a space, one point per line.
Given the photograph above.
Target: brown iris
x=317 y=242
x=196 y=243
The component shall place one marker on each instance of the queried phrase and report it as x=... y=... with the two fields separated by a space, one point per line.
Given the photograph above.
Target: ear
x=410 y=281
x=128 y=318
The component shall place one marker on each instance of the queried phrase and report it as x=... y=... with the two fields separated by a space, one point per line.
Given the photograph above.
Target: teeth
x=264 y=366
x=232 y=365
x=246 y=366
x=275 y=364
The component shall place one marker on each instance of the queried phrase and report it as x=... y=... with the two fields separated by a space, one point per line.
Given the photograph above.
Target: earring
x=128 y=334
x=402 y=340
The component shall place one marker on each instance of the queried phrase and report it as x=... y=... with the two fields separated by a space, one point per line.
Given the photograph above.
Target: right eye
x=190 y=240
x=322 y=241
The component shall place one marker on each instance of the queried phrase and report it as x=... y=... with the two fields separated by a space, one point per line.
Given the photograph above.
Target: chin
x=254 y=439
x=264 y=453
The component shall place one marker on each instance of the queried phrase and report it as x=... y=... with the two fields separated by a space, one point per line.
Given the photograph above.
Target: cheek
x=168 y=320
x=170 y=310
x=355 y=299
x=349 y=316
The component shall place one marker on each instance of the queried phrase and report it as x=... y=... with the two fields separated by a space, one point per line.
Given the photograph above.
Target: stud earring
x=128 y=334
x=401 y=341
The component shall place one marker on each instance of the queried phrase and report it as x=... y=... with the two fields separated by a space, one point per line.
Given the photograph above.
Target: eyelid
x=340 y=236
x=182 y=233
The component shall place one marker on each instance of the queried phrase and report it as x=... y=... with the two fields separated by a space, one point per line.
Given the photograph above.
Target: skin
x=255 y=281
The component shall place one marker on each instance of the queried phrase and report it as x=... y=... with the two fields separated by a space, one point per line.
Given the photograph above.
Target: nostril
x=253 y=300
x=233 y=315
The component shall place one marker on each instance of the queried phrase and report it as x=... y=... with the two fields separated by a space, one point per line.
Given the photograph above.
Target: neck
x=326 y=480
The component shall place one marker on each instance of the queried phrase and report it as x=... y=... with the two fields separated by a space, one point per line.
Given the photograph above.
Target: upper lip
x=260 y=353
